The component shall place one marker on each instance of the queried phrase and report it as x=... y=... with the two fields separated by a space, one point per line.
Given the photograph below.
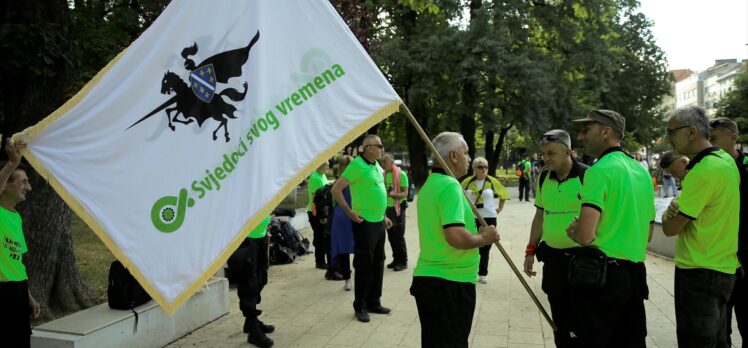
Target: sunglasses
x=481 y=167
x=377 y=145
x=671 y=131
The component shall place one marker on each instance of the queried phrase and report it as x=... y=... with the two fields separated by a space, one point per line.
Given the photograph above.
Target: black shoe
x=362 y=316
x=260 y=340
x=391 y=264
x=379 y=310
x=321 y=266
x=333 y=276
x=400 y=267
x=264 y=327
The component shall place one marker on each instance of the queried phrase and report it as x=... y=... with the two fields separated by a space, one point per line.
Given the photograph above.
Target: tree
x=42 y=67
x=734 y=104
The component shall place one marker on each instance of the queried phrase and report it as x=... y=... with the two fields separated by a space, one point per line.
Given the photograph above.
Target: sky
x=694 y=33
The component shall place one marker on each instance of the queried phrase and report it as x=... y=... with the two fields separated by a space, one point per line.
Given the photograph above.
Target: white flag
x=189 y=138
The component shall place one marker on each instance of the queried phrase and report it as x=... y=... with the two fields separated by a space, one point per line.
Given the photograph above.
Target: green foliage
x=735 y=105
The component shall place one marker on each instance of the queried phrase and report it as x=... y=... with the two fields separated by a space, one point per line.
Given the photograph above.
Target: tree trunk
x=470 y=90
x=53 y=273
x=493 y=160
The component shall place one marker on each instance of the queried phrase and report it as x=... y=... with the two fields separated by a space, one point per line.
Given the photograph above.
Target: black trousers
x=739 y=302
x=524 y=187
x=368 y=260
x=344 y=265
x=396 y=235
x=612 y=316
x=445 y=310
x=15 y=314
x=701 y=297
x=248 y=267
x=484 y=250
x=321 y=241
x=556 y=286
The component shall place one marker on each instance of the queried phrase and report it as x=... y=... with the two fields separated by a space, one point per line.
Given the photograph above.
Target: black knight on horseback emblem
x=198 y=99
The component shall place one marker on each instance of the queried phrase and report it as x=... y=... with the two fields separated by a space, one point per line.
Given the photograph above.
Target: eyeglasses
x=380 y=146
x=671 y=131
x=481 y=167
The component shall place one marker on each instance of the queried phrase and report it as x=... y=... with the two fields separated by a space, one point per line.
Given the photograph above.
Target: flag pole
x=404 y=109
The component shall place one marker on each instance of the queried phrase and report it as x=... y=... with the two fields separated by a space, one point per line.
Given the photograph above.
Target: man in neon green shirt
x=248 y=267
x=18 y=306
x=369 y=200
x=723 y=132
x=558 y=203
x=705 y=218
x=615 y=221
x=447 y=268
x=321 y=240
x=397 y=193
x=524 y=166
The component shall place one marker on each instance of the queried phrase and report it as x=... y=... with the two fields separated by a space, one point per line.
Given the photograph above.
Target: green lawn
x=93 y=258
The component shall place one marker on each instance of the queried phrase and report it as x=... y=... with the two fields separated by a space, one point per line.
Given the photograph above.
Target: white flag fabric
x=194 y=134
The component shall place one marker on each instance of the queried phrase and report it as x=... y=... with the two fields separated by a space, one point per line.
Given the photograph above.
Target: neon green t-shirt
x=561 y=203
x=711 y=200
x=261 y=230
x=12 y=247
x=621 y=189
x=403 y=186
x=441 y=204
x=368 y=194
x=316 y=180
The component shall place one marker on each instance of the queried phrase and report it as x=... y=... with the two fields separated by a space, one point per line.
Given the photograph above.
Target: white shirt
x=489 y=203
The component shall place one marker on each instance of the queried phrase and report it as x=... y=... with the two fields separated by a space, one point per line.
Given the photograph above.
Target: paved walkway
x=309 y=311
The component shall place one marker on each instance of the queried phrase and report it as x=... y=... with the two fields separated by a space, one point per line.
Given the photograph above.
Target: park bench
x=101 y=326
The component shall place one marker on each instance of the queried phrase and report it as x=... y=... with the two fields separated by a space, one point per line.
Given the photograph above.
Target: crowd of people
x=591 y=228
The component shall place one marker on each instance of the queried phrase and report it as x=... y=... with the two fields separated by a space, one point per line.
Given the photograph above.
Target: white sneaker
x=482 y=280
x=347 y=285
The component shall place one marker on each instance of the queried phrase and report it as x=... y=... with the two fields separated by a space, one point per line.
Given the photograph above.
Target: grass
x=93 y=258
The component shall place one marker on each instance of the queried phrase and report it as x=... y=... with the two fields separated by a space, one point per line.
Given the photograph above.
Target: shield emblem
x=203 y=82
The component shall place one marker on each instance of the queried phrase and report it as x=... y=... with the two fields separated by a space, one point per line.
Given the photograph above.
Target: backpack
x=124 y=292
x=322 y=202
x=284 y=235
x=280 y=255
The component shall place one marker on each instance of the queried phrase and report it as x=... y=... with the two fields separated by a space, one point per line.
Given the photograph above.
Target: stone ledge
x=101 y=326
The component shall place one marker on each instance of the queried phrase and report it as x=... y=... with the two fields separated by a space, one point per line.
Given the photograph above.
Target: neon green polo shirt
x=403 y=187
x=261 y=230
x=560 y=202
x=618 y=187
x=12 y=247
x=442 y=204
x=368 y=195
x=710 y=240
x=316 y=180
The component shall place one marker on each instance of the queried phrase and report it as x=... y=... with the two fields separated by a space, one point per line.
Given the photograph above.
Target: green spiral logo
x=167 y=213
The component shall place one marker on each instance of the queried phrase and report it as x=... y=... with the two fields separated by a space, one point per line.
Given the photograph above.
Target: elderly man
x=557 y=203
x=614 y=227
x=369 y=200
x=723 y=132
x=396 y=182
x=705 y=219
x=446 y=271
x=17 y=304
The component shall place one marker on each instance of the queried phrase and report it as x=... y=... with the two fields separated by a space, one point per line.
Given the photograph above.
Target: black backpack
x=123 y=291
x=322 y=202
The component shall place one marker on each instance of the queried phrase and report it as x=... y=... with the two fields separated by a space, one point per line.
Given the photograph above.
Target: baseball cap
x=608 y=118
x=556 y=135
